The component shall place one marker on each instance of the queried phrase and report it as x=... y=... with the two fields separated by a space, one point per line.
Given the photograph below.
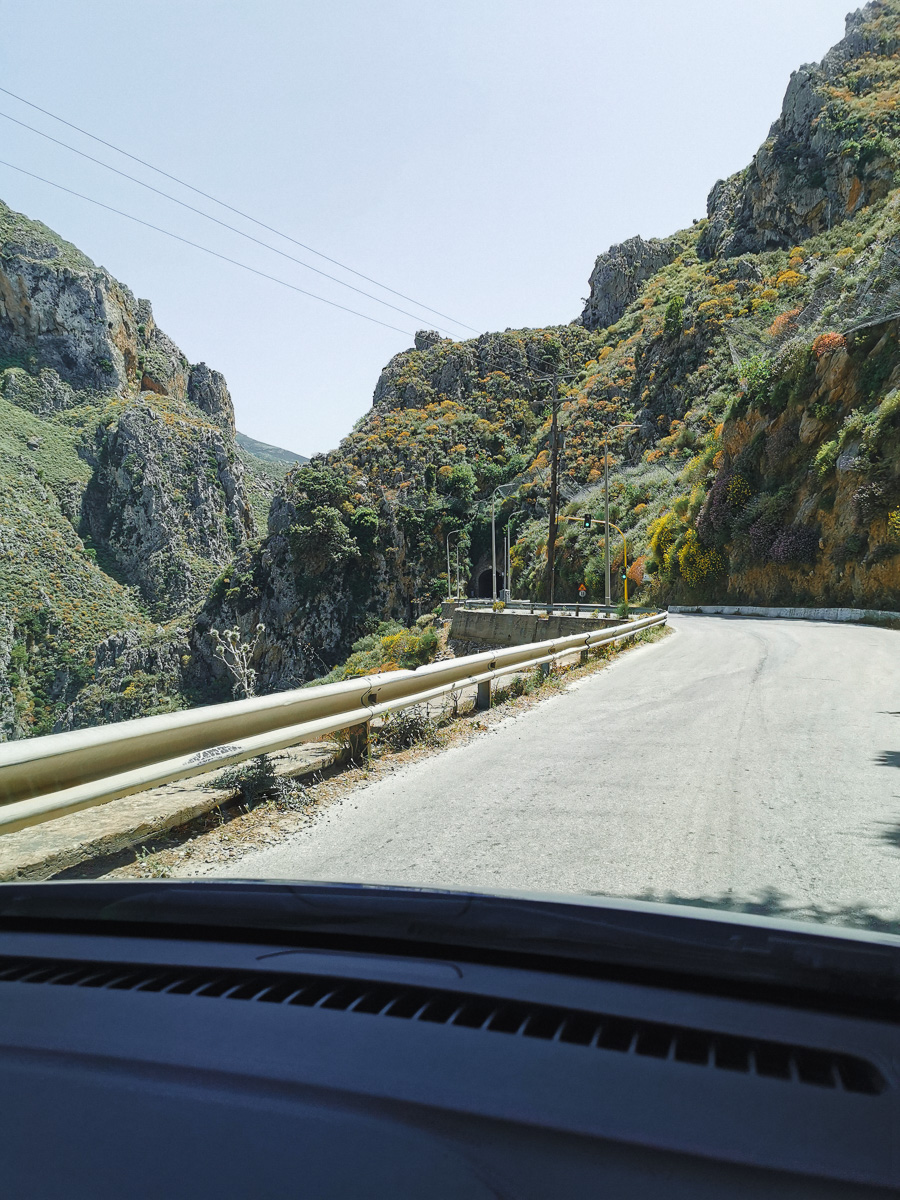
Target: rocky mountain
x=753 y=358
x=754 y=353
x=267 y=453
x=618 y=276
x=122 y=494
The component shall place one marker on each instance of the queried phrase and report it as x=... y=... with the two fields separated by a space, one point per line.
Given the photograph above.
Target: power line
x=209 y=217
x=237 y=211
x=206 y=250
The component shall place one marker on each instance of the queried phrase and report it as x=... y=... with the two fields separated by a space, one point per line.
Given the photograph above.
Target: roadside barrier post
x=483 y=699
x=358 y=740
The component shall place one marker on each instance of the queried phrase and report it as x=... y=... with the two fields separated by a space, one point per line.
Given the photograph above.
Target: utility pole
x=554 y=497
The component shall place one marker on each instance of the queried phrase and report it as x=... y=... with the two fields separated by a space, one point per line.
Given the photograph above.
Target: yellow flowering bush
x=738 y=491
x=698 y=562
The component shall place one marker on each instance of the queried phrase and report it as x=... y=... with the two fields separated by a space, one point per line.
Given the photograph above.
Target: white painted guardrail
x=46 y=777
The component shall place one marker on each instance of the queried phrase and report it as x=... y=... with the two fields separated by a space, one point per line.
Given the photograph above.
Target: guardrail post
x=582 y=658
x=483 y=699
x=545 y=669
x=358 y=741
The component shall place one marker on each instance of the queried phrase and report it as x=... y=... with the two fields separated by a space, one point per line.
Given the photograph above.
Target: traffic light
x=623 y=574
x=587 y=522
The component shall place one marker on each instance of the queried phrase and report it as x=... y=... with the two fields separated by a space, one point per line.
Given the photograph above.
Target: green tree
x=674 y=316
x=325 y=544
x=461 y=482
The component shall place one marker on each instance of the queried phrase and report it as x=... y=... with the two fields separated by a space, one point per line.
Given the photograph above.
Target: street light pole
x=624 y=425
x=493 y=547
x=606 y=515
x=505 y=489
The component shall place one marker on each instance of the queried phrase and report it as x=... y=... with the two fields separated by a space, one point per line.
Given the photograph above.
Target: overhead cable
x=237 y=211
x=209 y=217
x=206 y=250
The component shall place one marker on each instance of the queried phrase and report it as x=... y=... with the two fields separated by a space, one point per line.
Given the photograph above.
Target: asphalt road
x=738 y=759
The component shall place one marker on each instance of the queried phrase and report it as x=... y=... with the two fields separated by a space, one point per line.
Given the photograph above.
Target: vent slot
x=650 y=1039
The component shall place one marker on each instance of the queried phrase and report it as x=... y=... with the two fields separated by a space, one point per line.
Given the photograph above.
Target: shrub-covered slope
x=755 y=354
x=752 y=357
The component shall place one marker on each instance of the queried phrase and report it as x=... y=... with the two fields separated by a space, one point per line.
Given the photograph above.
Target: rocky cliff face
x=334 y=562
x=166 y=503
x=166 y=499
x=439 y=369
x=120 y=450
x=59 y=311
x=812 y=512
x=619 y=276
x=829 y=154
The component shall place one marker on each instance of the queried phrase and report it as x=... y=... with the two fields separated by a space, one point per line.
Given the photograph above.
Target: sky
x=474 y=155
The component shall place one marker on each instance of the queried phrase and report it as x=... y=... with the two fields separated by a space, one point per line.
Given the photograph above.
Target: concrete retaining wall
x=488 y=628
x=797 y=614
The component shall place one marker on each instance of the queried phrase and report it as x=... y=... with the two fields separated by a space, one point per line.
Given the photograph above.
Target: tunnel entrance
x=484 y=589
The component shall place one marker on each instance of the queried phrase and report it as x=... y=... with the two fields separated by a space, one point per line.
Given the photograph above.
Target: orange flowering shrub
x=784 y=323
x=827 y=343
x=636 y=571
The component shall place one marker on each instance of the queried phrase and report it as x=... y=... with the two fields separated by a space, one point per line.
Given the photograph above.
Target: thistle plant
x=237 y=656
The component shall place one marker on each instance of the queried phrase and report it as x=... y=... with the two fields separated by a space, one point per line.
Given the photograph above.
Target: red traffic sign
x=582 y=591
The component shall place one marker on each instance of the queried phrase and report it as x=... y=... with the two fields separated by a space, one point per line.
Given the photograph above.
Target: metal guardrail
x=47 y=777
x=535 y=606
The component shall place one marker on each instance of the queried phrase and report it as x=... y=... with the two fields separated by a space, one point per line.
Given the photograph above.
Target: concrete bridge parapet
x=484 y=628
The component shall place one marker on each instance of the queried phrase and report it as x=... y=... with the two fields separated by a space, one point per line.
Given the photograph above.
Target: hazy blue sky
x=474 y=154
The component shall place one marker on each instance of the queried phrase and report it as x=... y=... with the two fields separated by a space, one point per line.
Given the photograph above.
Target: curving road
x=739 y=758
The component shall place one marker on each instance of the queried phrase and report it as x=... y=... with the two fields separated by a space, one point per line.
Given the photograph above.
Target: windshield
x=596 y=596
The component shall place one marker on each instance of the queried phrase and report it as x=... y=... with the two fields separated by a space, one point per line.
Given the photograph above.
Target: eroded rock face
x=618 y=277
x=42 y=394
x=165 y=507
x=60 y=311
x=314 y=583
x=166 y=500
x=810 y=173
x=133 y=677
x=440 y=369
x=208 y=390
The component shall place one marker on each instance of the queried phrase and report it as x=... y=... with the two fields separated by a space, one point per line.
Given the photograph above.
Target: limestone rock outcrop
x=822 y=161
x=618 y=277
x=166 y=500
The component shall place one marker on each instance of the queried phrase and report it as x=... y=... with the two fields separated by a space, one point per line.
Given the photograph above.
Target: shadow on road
x=769 y=902
x=889 y=833
x=888 y=758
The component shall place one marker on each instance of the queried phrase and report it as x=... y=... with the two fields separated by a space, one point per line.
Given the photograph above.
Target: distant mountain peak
x=268 y=453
